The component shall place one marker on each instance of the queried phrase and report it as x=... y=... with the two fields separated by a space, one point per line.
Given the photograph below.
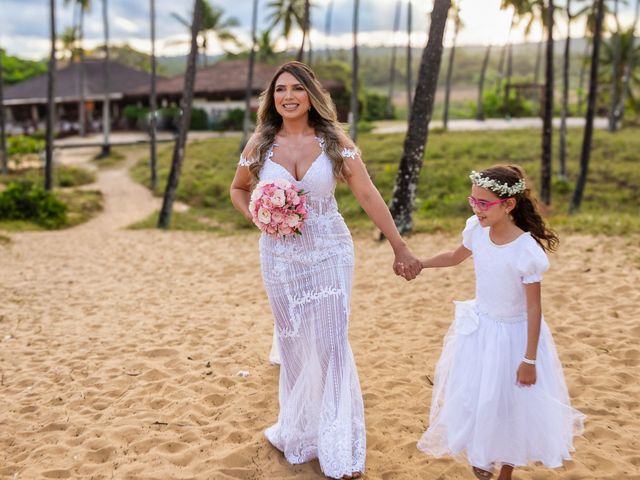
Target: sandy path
x=121 y=351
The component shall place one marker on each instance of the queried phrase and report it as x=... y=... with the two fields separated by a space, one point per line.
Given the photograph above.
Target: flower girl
x=499 y=398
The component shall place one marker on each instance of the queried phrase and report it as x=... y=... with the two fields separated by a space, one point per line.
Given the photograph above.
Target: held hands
x=406 y=264
x=526 y=375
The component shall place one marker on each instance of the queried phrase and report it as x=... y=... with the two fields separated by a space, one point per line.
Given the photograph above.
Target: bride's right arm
x=240 y=191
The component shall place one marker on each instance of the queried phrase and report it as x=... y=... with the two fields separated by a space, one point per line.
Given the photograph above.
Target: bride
x=308 y=277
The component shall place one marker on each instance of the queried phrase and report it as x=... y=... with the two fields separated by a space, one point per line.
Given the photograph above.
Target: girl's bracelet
x=528 y=361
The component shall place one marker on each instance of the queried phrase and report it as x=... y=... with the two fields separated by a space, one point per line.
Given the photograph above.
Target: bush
x=375 y=106
x=168 y=118
x=24 y=201
x=22 y=144
x=233 y=120
x=136 y=117
x=516 y=106
x=199 y=119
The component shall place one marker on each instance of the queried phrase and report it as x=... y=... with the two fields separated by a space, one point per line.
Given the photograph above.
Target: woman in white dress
x=308 y=277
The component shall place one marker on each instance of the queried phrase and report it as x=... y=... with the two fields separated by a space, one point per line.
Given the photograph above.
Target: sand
x=120 y=352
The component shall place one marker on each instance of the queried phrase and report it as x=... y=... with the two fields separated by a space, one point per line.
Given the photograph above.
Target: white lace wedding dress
x=308 y=282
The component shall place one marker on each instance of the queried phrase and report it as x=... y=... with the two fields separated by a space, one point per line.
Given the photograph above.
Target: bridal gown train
x=308 y=281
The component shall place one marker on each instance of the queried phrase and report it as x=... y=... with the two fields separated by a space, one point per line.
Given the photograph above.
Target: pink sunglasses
x=483 y=205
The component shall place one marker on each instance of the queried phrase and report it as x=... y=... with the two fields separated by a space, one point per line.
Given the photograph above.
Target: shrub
x=136 y=117
x=233 y=120
x=199 y=119
x=375 y=106
x=22 y=144
x=24 y=201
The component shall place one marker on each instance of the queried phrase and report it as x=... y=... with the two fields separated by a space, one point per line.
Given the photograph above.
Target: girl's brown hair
x=526 y=213
x=322 y=118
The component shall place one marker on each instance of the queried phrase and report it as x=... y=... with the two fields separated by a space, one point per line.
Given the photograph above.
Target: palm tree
x=409 y=61
x=483 y=73
x=402 y=202
x=545 y=173
x=153 y=102
x=327 y=27
x=628 y=69
x=212 y=23
x=51 y=86
x=287 y=13
x=266 y=47
x=354 y=73
x=576 y=199
x=69 y=41
x=164 y=218
x=106 y=104
x=506 y=50
x=82 y=7
x=306 y=22
x=589 y=29
x=457 y=22
x=3 y=138
x=615 y=66
x=252 y=59
x=392 y=66
x=562 y=174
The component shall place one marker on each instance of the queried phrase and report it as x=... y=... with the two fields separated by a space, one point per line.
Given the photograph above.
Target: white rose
x=292 y=220
x=278 y=198
x=264 y=216
x=282 y=183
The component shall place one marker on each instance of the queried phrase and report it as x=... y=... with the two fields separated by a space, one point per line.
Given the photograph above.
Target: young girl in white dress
x=499 y=396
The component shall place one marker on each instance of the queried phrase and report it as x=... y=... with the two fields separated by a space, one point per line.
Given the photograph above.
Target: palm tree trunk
x=447 y=92
x=354 y=73
x=249 y=90
x=583 y=69
x=82 y=113
x=628 y=68
x=327 y=27
x=392 y=66
x=547 y=128
x=536 y=75
x=409 y=61
x=3 y=138
x=106 y=104
x=576 y=200
x=153 y=102
x=562 y=174
x=164 y=220
x=503 y=54
x=483 y=73
x=51 y=105
x=615 y=67
x=402 y=202
x=305 y=31
x=507 y=85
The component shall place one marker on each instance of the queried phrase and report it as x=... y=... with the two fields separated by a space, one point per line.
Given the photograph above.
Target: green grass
x=63 y=176
x=114 y=159
x=611 y=202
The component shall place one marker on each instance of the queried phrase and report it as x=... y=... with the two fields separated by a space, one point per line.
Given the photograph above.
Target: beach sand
x=120 y=352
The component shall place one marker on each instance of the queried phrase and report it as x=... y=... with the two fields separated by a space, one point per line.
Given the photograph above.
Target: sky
x=24 y=24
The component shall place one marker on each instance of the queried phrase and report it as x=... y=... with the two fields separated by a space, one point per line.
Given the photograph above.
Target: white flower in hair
x=497 y=187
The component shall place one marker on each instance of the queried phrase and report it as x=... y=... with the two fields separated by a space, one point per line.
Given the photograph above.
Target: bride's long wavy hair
x=322 y=118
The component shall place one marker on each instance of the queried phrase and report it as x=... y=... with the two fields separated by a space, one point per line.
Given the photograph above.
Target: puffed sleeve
x=244 y=161
x=532 y=262
x=471 y=229
x=349 y=152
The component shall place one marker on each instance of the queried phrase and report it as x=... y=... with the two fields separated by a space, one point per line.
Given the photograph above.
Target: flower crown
x=496 y=187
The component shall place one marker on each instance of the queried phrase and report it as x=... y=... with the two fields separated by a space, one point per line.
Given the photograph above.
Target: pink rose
x=264 y=216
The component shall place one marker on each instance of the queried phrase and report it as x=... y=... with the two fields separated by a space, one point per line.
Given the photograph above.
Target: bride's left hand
x=406 y=264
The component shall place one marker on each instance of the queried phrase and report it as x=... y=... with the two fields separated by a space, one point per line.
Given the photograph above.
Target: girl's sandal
x=482 y=474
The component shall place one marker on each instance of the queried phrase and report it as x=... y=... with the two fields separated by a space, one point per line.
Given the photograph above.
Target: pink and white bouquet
x=278 y=208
